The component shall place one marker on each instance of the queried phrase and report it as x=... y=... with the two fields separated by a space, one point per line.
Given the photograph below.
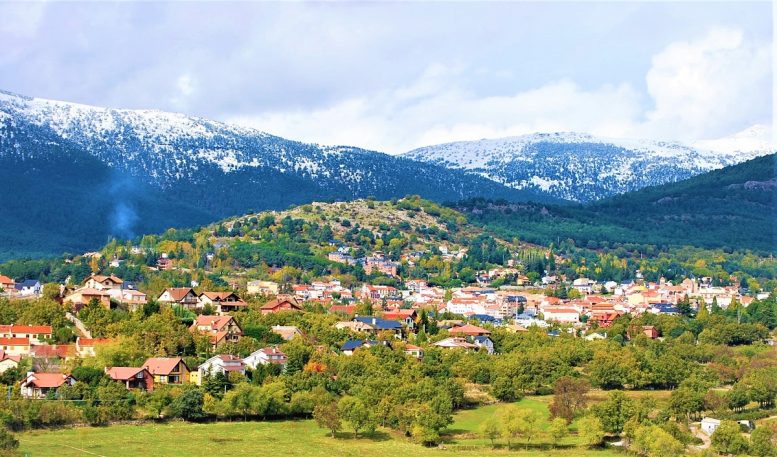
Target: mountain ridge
x=577 y=166
x=80 y=174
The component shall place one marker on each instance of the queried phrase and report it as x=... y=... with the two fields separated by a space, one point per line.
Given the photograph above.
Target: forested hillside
x=731 y=208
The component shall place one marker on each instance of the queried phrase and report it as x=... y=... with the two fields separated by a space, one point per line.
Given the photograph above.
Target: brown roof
x=123 y=373
x=280 y=300
x=178 y=293
x=220 y=296
x=162 y=365
x=5 y=280
x=101 y=278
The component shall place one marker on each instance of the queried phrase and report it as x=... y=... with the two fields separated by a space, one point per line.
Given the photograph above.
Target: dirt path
x=697 y=432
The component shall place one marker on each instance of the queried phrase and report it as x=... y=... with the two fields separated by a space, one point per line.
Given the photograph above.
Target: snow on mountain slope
x=577 y=166
x=163 y=146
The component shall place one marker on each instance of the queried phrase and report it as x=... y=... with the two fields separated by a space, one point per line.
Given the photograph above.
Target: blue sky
x=393 y=76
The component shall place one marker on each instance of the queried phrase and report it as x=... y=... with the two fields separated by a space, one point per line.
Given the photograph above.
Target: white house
x=561 y=315
x=709 y=425
x=217 y=364
x=265 y=356
x=38 y=385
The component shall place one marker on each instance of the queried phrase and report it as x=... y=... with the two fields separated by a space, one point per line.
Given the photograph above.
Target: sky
x=396 y=76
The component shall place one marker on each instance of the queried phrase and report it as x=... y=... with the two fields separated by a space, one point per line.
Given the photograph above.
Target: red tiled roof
x=345 y=309
x=14 y=341
x=5 y=356
x=178 y=293
x=46 y=380
x=31 y=329
x=469 y=329
x=123 y=373
x=161 y=365
x=280 y=301
x=214 y=322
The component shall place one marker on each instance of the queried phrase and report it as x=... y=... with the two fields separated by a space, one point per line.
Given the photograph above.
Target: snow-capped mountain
x=581 y=167
x=83 y=173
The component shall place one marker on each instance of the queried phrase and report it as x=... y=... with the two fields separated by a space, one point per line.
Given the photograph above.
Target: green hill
x=730 y=208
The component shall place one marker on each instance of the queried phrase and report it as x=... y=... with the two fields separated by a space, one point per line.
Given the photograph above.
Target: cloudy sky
x=394 y=76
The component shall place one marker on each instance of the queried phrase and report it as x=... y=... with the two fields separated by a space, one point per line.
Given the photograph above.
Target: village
x=469 y=314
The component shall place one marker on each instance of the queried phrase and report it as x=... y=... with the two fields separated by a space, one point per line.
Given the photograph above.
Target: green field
x=292 y=438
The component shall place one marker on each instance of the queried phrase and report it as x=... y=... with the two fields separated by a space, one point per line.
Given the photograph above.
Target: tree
x=569 y=397
x=558 y=430
x=353 y=411
x=761 y=442
x=653 y=441
x=738 y=397
x=614 y=412
x=490 y=429
x=328 y=417
x=591 y=431
x=511 y=426
x=188 y=405
x=728 y=439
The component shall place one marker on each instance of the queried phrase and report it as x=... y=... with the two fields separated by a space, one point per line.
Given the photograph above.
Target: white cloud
x=713 y=84
x=705 y=88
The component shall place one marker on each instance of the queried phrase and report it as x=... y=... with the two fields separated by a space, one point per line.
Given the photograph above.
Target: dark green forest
x=731 y=209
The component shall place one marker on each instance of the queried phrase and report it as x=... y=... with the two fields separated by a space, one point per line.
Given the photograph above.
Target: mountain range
x=74 y=175
x=583 y=168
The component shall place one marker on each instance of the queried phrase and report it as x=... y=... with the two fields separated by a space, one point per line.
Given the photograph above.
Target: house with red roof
x=347 y=310
x=15 y=346
x=102 y=282
x=38 y=385
x=8 y=361
x=220 y=329
x=221 y=302
x=53 y=351
x=83 y=295
x=181 y=296
x=281 y=303
x=414 y=351
x=605 y=319
x=167 y=370
x=407 y=316
x=7 y=284
x=37 y=334
x=132 y=377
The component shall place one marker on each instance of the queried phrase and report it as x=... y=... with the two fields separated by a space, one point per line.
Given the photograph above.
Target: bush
x=188 y=405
